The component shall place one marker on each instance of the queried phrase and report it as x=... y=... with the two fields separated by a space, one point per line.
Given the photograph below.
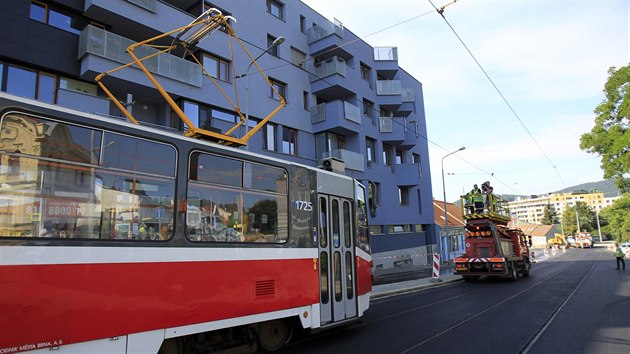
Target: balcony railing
x=330 y=66
x=150 y=5
x=388 y=87
x=350 y=112
x=386 y=125
x=408 y=95
x=385 y=53
x=353 y=160
x=323 y=30
x=105 y=44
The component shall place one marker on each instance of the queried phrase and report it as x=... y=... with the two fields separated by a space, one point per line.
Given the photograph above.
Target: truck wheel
x=526 y=268
x=513 y=272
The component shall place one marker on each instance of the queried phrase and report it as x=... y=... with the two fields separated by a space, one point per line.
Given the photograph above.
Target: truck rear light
x=497 y=266
x=461 y=266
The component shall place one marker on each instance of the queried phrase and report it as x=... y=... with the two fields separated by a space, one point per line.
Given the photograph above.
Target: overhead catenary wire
x=441 y=12
x=395 y=121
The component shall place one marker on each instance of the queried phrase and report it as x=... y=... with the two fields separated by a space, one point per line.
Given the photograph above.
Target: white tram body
x=120 y=238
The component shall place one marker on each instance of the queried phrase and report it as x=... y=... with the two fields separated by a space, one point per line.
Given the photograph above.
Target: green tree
x=616 y=219
x=586 y=216
x=550 y=215
x=610 y=137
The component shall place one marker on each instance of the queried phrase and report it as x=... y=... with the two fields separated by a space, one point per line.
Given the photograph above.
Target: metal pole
x=445 y=211
x=599 y=229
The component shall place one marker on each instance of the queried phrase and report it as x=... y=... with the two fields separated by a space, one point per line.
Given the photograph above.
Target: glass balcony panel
x=388 y=87
x=408 y=95
x=353 y=160
x=114 y=47
x=385 y=53
x=323 y=30
x=387 y=125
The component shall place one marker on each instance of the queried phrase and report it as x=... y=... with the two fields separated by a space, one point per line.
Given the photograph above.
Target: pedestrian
x=619 y=255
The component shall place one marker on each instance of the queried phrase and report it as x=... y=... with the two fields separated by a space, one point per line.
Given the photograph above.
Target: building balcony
x=411 y=136
x=353 y=160
x=97 y=43
x=391 y=131
x=386 y=61
x=326 y=39
x=328 y=79
x=389 y=94
x=407 y=174
x=324 y=30
x=338 y=116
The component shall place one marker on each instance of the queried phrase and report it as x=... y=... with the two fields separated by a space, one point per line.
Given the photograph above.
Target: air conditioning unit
x=333 y=164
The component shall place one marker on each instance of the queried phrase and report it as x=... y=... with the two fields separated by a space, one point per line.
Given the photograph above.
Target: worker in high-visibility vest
x=475 y=199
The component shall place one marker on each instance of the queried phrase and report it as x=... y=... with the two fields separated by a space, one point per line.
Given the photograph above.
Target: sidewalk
x=446 y=276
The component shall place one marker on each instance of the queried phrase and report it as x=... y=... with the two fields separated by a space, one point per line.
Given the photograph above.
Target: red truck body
x=492 y=249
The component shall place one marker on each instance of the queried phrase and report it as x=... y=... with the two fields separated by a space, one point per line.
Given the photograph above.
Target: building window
x=217 y=67
x=297 y=57
x=289 y=141
x=305 y=100
x=28 y=83
x=46 y=87
x=279 y=88
x=366 y=74
x=368 y=107
x=276 y=8
x=270 y=137
x=42 y=13
x=417 y=160
x=370 y=147
x=191 y=110
x=302 y=24
x=387 y=154
x=403 y=195
x=400 y=157
x=273 y=49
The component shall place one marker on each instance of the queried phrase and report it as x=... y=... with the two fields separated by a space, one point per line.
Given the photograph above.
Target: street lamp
x=444 y=190
x=276 y=42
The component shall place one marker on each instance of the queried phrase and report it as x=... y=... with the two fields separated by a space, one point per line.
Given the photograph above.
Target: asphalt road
x=574 y=303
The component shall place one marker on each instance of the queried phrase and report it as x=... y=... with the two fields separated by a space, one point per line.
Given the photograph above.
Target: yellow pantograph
x=187 y=38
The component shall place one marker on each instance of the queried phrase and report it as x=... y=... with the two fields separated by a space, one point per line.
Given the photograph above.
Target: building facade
x=346 y=100
x=452 y=237
x=532 y=210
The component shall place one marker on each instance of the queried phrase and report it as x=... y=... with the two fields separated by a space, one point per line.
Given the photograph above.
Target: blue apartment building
x=347 y=103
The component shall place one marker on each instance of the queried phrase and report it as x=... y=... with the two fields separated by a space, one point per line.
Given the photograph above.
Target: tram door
x=336 y=258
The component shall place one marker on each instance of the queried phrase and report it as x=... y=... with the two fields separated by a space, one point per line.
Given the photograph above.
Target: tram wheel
x=272 y=335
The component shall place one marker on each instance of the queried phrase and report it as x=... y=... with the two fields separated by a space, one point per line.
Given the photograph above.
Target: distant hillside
x=607 y=187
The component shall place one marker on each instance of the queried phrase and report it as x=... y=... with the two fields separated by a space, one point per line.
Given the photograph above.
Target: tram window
x=47 y=138
x=57 y=200
x=130 y=153
x=335 y=223
x=216 y=169
x=323 y=223
x=220 y=215
x=221 y=210
x=323 y=277
x=265 y=178
x=337 y=276
x=349 y=280
x=347 y=236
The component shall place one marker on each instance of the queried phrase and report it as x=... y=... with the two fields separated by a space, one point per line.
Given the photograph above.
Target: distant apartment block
x=532 y=210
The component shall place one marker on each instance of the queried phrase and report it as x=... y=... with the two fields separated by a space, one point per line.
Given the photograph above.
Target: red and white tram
x=120 y=238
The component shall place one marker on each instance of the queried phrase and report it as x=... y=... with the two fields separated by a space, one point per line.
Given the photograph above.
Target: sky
x=548 y=60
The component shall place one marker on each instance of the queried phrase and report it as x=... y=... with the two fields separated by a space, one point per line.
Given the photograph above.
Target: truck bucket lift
x=187 y=38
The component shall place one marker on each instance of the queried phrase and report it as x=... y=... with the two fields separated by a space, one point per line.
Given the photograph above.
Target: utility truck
x=491 y=247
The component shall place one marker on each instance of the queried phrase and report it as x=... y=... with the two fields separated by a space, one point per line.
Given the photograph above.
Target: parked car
x=625 y=247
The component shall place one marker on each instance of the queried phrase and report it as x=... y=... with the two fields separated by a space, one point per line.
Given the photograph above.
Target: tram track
x=532 y=340
x=552 y=273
